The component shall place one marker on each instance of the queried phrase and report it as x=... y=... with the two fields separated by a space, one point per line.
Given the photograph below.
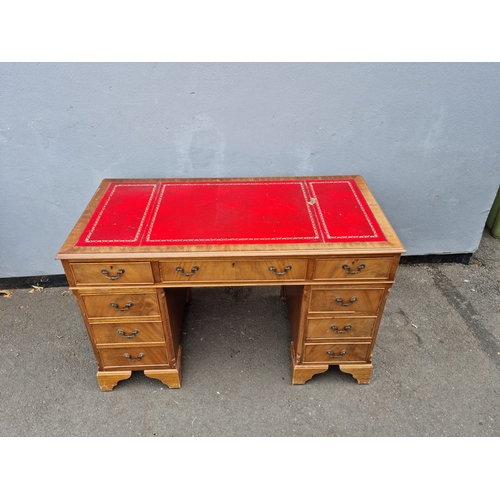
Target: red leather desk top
x=255 y=212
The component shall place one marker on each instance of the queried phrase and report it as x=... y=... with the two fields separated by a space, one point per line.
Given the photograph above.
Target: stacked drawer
x=343 y=317
x=123 y=314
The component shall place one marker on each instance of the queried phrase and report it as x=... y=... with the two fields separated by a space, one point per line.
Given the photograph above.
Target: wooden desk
x=141 y=244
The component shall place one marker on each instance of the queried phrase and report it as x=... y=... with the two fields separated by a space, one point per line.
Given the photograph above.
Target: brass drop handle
x=118 y=274
x=181 y=270
x=348 y=269
x=286 y=269
x=342 y=352
x=336 y=328
x=133 y=333
x=346 y=304
x=128 y=305
x=128 y=356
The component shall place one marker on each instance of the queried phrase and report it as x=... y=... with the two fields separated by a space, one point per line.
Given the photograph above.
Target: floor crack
x=486 y=339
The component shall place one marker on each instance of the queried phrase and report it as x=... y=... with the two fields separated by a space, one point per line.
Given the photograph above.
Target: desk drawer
x=112 y=273
x=337 y=353
x=345 y=268
x=121 y=305
x=127 y=333
x=233 y=270
x=340 y=328
x=133 y=357
x=346 y=300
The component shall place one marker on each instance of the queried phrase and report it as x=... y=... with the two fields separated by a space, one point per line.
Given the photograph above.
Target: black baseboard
x=49 y=281
x=456 y=258
x=55 y=280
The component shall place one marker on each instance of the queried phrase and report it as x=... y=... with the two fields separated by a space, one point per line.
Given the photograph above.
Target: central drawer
x=121 y=305
x=233 y=270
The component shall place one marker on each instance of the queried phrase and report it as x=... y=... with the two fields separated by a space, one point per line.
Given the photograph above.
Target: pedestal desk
x=141 y=244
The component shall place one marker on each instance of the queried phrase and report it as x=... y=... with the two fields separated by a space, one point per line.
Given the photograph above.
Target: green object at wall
x=493 y=220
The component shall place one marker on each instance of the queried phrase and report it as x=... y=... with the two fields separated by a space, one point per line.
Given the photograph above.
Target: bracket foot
x=302 y=373
x=362 y=373
x=108 y=380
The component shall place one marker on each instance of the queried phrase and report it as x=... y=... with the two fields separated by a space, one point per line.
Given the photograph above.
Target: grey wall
x=426 y=137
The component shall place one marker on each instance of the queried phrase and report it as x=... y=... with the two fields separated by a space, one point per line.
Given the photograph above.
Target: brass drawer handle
x=273 y=269
x=350 y=303
x=181 y=270
x=127 y=355
x=133 y=333
x=348 y=269
x=118 y=274
x=128 y=305
x=342 y=352
x=336 y=328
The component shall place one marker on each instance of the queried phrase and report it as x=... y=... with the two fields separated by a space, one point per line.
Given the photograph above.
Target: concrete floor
x=436 y=366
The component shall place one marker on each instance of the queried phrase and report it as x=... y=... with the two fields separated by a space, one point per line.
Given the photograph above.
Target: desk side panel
x=172 y=305
x=297 y=298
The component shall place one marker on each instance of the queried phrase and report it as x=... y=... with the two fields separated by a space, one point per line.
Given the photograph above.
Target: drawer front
x=127 y=333
x=133 y=357
x=337 y=353
x=233 y=270
x=121 y=305
x=112 y=273
x=346 y=300
x=351 y=269
x=340 y=328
